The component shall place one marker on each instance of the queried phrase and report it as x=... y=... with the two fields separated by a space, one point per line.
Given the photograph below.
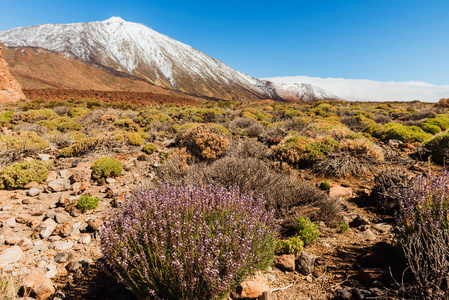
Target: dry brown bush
x=388 y=184
x=247 y=148
x=39 y=129
x=61 y=110
x=246 y=126
x=273 y=135
x=355 y=157
x=205 y=141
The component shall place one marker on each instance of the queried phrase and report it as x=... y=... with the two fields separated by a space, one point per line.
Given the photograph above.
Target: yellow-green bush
x=81 y=146
x=304 y=150
x=23 y=140
x=127 y=125
x=78 y=112
x=135 y=139
x=106 y=167
x=407 y=134
x=20 y=174
x=149 y=148
x=32 y=116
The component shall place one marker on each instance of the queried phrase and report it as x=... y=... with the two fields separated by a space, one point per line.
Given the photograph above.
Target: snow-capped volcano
x=132 y=48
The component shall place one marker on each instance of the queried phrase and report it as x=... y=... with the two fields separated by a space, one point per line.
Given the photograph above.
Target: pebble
x=33 y=192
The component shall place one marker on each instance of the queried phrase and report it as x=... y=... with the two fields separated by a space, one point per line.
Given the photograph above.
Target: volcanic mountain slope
x=119 y=47
x=36 y=68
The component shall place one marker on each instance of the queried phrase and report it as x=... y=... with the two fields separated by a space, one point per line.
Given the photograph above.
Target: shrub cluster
x=187 y=242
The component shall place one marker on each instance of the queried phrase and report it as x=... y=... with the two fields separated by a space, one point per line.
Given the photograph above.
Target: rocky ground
x=53 y=246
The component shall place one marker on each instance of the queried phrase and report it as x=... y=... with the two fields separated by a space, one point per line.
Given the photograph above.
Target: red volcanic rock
x=10 y=89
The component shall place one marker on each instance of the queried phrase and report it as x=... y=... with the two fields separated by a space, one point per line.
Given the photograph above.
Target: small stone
x=305 y=263
x=61 y=218
x=110 y=180
x=63 y=257
x=13 y=240
x=54 y=238
x=369 y=235
x=382 y=227
x=25 y=244
x=64 y=230
x=32 y=184
x=85 y=238
x=10 y=222
x=75 y=212
x=76 y=162
x=52 y=271
x=44 y=157
x=10 y=255
x=62 y=245
x=33 y=192
x=94 y=224
x=285 y=262
x=23 y=218
x=37 y=285
x=340 y=192
x=47 y=228
x=248 y=290
x=59 y=185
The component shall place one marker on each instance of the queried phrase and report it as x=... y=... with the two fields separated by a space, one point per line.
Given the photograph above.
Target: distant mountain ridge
x=117 y=46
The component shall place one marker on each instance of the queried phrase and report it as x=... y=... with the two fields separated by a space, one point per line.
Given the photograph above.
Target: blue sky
x=386 y=40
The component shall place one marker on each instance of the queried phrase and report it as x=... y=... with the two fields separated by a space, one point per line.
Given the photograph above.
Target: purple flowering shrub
x=424 y=206
x=187 y=242
x=422 y=233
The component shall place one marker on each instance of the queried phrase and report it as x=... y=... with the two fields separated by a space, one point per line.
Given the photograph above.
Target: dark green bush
x=438 y=147
x=324 y=185
x=106 y=167
x=87 y=202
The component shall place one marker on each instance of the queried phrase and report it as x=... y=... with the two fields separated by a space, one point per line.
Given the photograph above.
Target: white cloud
x=370 y=90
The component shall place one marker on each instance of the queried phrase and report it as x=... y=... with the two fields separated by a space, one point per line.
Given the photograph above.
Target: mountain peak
x=114 y=20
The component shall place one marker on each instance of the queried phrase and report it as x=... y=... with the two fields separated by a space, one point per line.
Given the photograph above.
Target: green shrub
x=20 y=174
x=87 y=202
x=438 y=147
x=149 y=148
x=308 y=231
x=69 y=126
x=135 y=139
x=78 y=112
x=432 y=129
x=406 y=134
x=292 y=245
x=342 y=226
x=106 y=167
x=324 y=185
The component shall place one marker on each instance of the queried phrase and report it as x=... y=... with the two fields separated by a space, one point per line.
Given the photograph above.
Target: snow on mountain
x=133 y=48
